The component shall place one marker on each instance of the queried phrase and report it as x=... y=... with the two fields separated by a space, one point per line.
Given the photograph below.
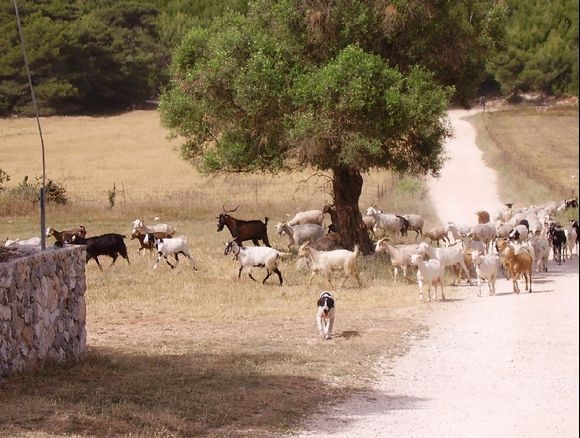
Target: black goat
x=241 y=230
x=404 y=225
x=557 y=238
x=110 y=244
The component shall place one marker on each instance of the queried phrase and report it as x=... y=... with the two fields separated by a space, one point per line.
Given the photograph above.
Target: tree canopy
x=334 y=85
x=541 y=48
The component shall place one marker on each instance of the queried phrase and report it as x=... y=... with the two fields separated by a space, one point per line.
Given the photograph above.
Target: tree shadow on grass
x=111 y=394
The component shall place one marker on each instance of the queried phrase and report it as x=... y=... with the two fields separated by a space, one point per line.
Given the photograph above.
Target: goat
x=241 y=230
x=459 y=232
x=519 y=233
x=400 y=255
x=370 y=223
x=170 y=246
x=574 y=224
x=389 y=223
x=482 y=217
x=436 y=234
x=416 y=223
x=307 y=217
x=138 y=225
x=557 y=238
x=257 y=256
x=33 y=241
x=328 y=242
x=110 y=244
x=150 y=244
x=65 y=236
x=327 y=261
x=571 y=237
x=449 y=256
x=431 y=272
x=518 y=264
x=486 y=267
x=542 y=251
x=484 y=233
x=331 y=211
x=298 y=234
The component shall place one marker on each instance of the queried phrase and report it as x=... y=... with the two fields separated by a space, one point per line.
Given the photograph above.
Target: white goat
x=389 y=223
x=416 y=223
x=484 y=233
x=459 y=232
x=431 y=272
x=519 y=233
x=256 y=256
x=170 y=246
x=400 y=255
x=298 y=234
x=449 y=256
x=138 y=225
x=307 y=217
x=542 y=252
x=570 y=242
x=486 y=267
x=327 y=261
x=33 y=241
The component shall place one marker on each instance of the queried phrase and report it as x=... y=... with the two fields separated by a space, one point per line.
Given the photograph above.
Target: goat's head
x=381 y=244
x=327 y=208
x=476 y=256
x=49 y=231
x=415 y=258
x=304 y=250
x=280 y=227
x=222 y=217
x=230 y=246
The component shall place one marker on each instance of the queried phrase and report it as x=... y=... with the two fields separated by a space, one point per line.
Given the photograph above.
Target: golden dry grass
x=534 y=150
x=194 y=353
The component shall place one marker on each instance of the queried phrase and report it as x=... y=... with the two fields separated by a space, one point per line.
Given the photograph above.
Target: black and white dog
x=325 y=314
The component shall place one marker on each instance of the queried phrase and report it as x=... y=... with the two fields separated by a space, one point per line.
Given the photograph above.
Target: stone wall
x=42 y=309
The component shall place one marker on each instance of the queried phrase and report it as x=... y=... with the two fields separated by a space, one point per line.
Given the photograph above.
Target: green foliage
x=93 y=56
x=30 y=191
x=541 y=52
x=296 y=83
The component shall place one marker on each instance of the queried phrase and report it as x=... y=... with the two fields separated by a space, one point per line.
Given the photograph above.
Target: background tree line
x=107 y=55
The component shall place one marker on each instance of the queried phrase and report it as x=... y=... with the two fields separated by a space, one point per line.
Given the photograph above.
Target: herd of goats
x=515 y=241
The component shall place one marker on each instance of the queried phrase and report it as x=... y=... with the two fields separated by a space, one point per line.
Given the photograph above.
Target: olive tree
x=276 y=90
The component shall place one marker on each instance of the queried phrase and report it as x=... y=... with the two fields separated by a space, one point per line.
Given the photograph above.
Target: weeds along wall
x=42 y=309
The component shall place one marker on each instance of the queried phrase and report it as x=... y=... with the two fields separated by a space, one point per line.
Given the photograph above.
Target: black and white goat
x=255 y=256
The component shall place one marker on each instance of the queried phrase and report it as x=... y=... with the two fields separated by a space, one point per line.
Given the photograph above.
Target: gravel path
x=503 y=366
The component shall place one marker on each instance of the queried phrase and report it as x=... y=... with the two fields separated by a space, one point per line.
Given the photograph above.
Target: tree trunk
x=347 y=186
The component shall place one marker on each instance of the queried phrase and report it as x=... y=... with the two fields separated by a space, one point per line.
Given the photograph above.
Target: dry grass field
x=535 y=151
x=183 y=352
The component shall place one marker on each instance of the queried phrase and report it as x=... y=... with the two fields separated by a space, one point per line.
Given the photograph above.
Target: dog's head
x=325 y=302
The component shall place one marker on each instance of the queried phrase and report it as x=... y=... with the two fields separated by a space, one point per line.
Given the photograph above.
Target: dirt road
x=503 y=366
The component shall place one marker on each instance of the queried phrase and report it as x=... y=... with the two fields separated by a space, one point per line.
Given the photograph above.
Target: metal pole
x=42 y=189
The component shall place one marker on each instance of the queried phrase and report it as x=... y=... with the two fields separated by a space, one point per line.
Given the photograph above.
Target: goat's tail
x=351 y=265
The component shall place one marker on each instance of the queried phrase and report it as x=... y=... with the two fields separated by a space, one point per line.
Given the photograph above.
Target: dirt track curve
x=503 y=366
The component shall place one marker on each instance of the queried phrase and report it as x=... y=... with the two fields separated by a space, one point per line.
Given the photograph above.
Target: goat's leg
x=479 y=286
x=250 y=275
x=311 y=277
x=277 y=271
x=114 y=259
x=268 y=273
x=420 y=290
x=167 y=261
x=96 y=260
x=256 y=242
x=240 y=272
x=530 y=274
x=157 y=261
x=176 y=257
x=442 y=293
x=190 y=258
x=266 y=241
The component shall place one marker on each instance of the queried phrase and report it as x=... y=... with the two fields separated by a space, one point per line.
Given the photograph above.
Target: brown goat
x=241 y=230
x=436 y=234
x=150 y=244
x=65 y=236
x=482 y=217
x=518 y=263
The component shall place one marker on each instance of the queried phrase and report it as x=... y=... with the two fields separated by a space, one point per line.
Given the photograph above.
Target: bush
x=30 y=191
